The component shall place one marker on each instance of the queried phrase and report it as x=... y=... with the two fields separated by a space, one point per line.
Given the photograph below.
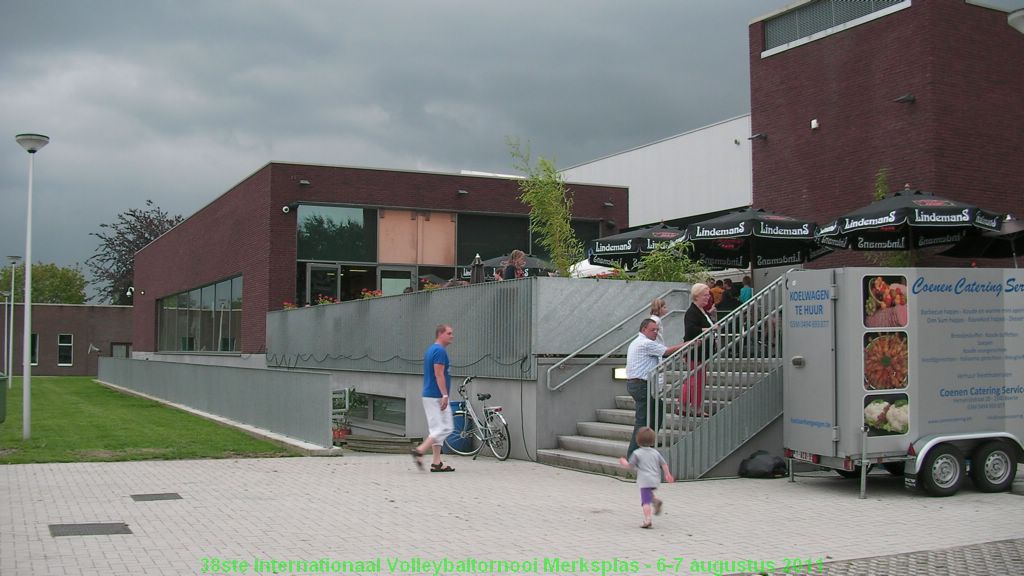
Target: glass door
x=396 y=280
x=321 y=281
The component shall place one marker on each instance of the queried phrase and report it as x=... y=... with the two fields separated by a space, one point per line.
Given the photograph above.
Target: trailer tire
x=942 y=471
x=993 y=466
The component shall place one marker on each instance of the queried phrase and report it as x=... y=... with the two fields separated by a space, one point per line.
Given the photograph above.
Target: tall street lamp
x=32 y=143
x=9 y=330
x=6 y=295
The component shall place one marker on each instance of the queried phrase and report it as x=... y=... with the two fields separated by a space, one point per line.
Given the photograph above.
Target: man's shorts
x=439 y=422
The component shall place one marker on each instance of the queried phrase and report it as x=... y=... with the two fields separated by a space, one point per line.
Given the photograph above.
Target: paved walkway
x=375 y=514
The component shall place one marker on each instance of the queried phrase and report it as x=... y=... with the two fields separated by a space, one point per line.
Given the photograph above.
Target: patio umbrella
x=584 y=269
x=532 y=263
x=906 y=220
x=626 y=249
x=1007 y=243
x=754 y=237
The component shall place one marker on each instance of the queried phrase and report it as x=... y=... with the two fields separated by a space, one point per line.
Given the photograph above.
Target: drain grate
x=161 y=496
x=94 y=529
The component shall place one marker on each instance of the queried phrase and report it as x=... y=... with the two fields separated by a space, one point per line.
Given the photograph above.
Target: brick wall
x=100 y=326
x=245 y=232
x=962 y=139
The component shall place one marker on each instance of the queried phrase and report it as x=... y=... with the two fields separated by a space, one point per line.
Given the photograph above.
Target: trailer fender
x=922 y=445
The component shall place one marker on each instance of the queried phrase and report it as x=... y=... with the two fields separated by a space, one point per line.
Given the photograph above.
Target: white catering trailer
x=920 y=370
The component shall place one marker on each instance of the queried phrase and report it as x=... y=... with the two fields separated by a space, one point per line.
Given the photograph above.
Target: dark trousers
x=638 y=390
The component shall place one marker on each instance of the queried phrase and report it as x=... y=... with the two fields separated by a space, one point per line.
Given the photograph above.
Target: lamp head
x=32 y=143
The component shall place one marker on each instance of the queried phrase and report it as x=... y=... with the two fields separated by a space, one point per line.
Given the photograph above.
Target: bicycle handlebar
x=462 y=387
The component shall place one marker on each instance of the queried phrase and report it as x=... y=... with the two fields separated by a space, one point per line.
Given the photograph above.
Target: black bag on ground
x=761 y=464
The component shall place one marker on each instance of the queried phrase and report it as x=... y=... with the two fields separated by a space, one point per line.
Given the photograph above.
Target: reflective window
x=337 y=233
x=490 y=236
x=205 y=319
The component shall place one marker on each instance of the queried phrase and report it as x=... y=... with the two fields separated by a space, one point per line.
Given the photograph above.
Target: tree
x=671 y=263
x=889 y=259
x=51 y=284
x=550 y=202
x=113 y=263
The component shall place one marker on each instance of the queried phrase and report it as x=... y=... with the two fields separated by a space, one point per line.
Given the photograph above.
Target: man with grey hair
x=643 y=356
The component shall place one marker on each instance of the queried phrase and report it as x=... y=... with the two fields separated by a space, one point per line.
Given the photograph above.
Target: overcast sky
x=178 y=101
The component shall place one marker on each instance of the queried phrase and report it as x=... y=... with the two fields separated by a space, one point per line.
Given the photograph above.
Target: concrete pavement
x=375 y=514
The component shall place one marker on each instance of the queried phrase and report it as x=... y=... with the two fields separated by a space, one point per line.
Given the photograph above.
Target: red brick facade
x=99 y=326
x=244 y=232
x=963 y=138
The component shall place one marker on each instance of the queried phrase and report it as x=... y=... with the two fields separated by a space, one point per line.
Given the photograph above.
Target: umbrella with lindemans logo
x=627 y=248
x=906 y=220
x=753 y=237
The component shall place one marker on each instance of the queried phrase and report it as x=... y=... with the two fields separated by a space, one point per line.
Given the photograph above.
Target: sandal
x=416 y=457
x=645 y=525
x=441 y=467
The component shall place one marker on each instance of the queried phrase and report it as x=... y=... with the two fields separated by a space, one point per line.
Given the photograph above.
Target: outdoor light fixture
x=759 y=136
x=1016 y=19
x=906 y=99
x=9 y=330
x=303 y=182
x=32 y=143
x=463 y=192
x=609 y=204
x=609 y=223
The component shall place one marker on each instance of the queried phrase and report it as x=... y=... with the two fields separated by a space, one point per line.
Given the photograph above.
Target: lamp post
x=6 y=295
x=32 y=143
x=9 y=330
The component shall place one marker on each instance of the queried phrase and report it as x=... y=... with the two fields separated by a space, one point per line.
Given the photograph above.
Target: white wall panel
x=704 y=170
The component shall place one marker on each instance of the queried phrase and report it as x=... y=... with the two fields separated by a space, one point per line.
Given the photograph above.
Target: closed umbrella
x=476 y=271
x=1008 y=242
x=627 y=248
x=754 y=237
x=907 y=220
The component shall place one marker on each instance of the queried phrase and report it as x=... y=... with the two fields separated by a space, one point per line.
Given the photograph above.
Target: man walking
x=643 y=356
x=436 y=381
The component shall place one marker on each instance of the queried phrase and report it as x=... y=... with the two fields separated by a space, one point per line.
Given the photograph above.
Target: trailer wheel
x=894 y=468
x=993 y=466
x=942 y=471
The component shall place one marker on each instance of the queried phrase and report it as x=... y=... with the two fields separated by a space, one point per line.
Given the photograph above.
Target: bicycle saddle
x=482 y=397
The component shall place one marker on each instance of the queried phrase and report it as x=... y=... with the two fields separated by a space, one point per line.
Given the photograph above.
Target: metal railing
x=722 y=387
x=643 y=311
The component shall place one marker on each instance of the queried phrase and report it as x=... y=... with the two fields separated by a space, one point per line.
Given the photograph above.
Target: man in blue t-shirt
x=436 y=381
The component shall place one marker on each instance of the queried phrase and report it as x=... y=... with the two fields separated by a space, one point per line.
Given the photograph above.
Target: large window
x=337 y=233
x=204 y=319
x=65 y=349
x=34 y=351
x=490 y=236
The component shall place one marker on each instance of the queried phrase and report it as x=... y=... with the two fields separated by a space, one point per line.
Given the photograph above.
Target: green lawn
x=77 y=420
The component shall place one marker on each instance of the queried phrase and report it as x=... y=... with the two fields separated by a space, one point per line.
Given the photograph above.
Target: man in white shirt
x=643 y=356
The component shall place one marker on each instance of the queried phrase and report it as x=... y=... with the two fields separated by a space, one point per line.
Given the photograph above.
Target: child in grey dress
x=649 y=465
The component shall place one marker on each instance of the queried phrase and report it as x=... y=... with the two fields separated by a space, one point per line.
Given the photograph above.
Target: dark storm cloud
x=177 y=101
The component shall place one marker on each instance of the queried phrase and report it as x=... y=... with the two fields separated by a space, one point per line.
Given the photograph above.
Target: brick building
x=929 y=89
x=296 y=232
x=67 y=339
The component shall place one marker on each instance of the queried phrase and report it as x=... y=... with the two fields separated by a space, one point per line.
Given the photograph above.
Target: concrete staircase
x=597 y=445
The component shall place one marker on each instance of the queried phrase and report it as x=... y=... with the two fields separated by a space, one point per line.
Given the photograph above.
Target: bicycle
x=492 y=431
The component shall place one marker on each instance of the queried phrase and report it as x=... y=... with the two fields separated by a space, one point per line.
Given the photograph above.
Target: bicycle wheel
x=497 y=436
x=463 y=440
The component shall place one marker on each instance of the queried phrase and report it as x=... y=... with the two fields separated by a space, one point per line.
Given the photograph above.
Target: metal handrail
x=749 y=352
x=602 y=335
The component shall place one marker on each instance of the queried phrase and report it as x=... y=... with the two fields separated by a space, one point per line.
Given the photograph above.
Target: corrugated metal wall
x=500 y=327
